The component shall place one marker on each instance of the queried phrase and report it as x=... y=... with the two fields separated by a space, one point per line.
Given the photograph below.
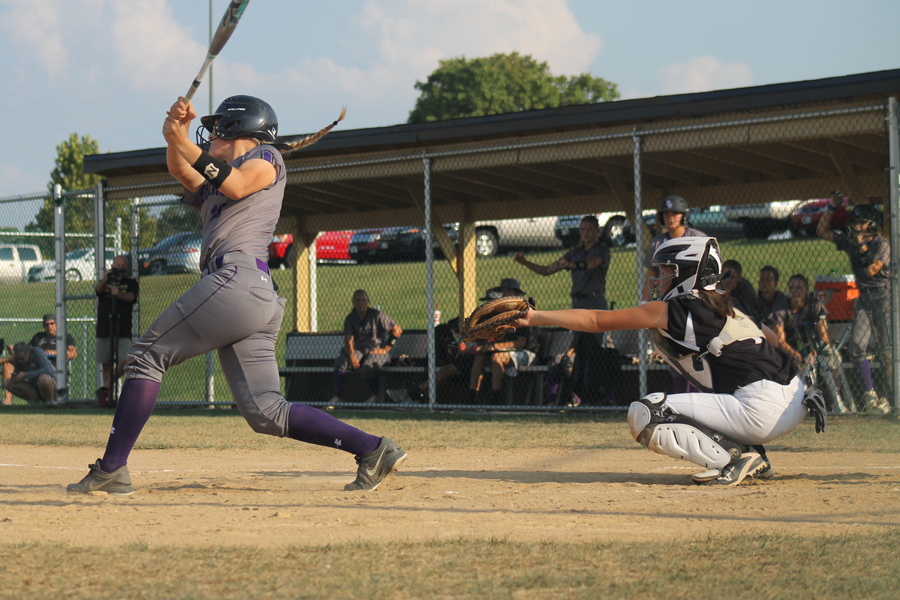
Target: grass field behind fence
x=399 y=288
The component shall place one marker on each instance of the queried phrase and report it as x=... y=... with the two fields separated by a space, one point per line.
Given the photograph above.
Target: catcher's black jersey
x=693 y=325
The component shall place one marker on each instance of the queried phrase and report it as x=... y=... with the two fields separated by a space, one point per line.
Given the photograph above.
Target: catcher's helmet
x=697 y=263
x=242 y=116
x=675 y=204
x=868 y=215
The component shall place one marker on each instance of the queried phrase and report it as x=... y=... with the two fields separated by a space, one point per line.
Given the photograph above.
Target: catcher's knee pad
x=660 y=430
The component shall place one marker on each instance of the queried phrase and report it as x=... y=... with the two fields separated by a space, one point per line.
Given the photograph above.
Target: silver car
x=179 y=253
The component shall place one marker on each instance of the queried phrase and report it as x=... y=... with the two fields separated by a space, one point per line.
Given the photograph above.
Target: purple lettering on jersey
x=216 y=211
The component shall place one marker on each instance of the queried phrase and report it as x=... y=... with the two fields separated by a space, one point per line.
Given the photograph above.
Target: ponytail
x=719 y=303
x=309 y=140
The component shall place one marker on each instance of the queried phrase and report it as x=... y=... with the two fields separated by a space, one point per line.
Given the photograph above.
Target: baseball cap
x=492 y=294
x=512 y=284
x=48 y=318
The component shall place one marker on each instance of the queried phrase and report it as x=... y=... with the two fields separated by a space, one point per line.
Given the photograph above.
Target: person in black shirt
x=738 y=287
x=116 y=294
x=749 y=390
x=768 y=297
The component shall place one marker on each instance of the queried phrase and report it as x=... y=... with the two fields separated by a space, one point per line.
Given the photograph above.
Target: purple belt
x=235 y=258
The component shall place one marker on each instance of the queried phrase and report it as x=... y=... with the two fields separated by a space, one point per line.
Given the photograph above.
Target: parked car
x=491 y=236
x=762 y=220
x=806 y=218
x=615 y=230
x=708 y=219
x=16 y=260
x=331 y=246
x=79 y=266
x=364 y=245
x=179 y=253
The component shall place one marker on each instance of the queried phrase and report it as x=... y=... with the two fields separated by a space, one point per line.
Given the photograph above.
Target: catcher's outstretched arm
x=646 y=316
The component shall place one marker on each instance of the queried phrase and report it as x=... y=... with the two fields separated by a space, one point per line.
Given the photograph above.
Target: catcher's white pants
x=755 y=414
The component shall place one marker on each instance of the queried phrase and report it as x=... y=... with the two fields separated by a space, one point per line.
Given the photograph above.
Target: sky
x=111 y=68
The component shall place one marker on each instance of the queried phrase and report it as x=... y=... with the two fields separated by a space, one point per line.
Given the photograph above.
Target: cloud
x=702 y=74
x=36 y=25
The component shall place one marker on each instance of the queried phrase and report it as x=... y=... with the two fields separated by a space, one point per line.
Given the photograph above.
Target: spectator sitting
x=505 y=355
x=769 y=297
x=34 y=376
x=795 y=321
x=462 y=363
x=369 y=335
x=46 y=341
x=738 y=287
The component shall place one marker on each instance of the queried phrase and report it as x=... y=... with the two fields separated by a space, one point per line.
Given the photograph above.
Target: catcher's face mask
x=660 y=285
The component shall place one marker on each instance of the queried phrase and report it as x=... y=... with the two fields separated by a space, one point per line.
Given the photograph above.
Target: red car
x=805 y=218
x=331 y=246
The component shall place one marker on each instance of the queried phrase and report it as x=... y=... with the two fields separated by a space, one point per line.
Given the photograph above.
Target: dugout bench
x=309 y=368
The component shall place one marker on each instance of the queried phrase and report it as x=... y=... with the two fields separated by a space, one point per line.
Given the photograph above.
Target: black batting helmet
x=242 y=116
x=868 y=215
x=675 y=204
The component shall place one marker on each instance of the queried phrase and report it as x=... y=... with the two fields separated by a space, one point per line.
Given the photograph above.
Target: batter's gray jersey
x=244 y=225
x=233 y=308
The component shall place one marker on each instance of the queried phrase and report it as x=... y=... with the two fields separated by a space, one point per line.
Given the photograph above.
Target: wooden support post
x=465 y=267
x=851 y=183
x=625 y=198
x=304 y=304
x=437 y=228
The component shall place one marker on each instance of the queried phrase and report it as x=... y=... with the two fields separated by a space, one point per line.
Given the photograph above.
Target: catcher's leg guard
x=660 y=430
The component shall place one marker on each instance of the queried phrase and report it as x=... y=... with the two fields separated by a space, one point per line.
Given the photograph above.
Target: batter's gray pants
x=233 y=310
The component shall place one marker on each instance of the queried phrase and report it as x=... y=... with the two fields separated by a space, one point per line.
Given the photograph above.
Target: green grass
x=746 y=566
x=225 y=429
x=399 y=288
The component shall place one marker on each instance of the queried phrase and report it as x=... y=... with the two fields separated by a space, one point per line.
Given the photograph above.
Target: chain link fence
x=426 y=236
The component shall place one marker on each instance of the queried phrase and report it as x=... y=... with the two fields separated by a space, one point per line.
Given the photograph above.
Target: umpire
x=870 y=260
x=116 y=295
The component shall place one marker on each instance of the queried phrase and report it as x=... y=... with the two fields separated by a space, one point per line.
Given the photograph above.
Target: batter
x=238 y=186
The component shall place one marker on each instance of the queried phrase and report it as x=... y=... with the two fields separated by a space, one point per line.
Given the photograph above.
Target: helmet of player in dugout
x=697 y=265
x=241 y=116
x=868 y=216
x=675 y=204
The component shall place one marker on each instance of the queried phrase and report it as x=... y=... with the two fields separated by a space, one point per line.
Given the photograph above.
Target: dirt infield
x=266 y=498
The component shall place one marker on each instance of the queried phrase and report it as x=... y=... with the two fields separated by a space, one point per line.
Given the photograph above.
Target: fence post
x=59 y=238
x=429 y=283
x=640 y=248
x=136 y=264
x=894 y=180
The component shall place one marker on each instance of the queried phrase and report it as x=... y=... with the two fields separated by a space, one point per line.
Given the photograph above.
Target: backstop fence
x=759 y=184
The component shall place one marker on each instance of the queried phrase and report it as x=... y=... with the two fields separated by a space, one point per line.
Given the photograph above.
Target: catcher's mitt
x=494 y=319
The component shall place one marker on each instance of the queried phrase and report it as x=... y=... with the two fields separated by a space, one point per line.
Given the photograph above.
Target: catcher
x=749 y=390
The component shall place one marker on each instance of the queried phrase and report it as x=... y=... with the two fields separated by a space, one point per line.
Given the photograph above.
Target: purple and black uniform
x=235 y=310
x=872 y=310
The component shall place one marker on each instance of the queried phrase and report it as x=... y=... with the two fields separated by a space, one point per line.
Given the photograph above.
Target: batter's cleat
x=767 y=471
x=375 y=466
x=117 y=483
x=875 y=404
x=750 y=464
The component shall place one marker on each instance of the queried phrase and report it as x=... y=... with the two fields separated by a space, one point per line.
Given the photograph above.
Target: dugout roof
x=772 y=142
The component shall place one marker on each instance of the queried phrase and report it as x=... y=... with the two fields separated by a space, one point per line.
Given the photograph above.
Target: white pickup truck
x=16 y=260
x=762 y=220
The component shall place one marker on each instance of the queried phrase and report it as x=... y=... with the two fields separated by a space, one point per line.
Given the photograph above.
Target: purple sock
x=681 y=384
x=339 y=378
x=865 y=372
x=135 y=406
x=313 y=426
x=552 y=385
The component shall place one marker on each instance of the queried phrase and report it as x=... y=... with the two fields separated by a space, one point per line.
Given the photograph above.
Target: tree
x=502 y=83
x=69 y=174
